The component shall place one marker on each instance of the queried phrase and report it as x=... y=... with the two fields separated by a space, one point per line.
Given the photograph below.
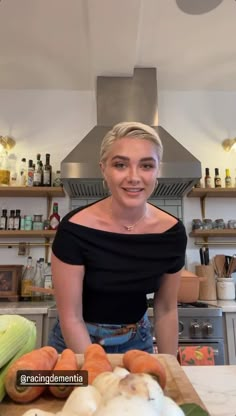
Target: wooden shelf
x=32 y=191
x=213 y=233
x=212 y=193
x=27 y=234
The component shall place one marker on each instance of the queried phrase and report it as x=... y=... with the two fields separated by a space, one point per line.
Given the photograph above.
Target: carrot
x=40 y=359
x=95 y=361
x=130 y=355
x=67 y=361
x=142 y=362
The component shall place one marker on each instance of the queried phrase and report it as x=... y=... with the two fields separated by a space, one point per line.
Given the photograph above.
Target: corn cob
x=27 y=347
x=13 y=336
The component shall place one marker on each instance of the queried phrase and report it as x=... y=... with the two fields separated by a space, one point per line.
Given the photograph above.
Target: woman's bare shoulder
x=162 y=220
x=92 y=215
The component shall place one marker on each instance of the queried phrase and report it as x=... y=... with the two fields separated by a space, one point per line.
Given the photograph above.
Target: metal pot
x=189 y=287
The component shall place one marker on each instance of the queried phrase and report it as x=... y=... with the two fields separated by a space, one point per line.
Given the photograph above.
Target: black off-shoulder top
x=120 y=269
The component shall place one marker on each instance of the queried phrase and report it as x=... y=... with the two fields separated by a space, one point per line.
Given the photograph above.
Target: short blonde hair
x=130 y=129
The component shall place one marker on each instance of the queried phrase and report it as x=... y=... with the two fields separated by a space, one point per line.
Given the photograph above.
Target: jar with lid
x=57 y=180
x=28 y=222
x=207 y=224
x=197 y=224
x=225 y=288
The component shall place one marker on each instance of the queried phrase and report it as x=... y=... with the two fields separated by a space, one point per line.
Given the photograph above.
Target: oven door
x=217 y=345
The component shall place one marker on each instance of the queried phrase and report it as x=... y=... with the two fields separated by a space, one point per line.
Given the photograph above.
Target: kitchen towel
x=196 y=355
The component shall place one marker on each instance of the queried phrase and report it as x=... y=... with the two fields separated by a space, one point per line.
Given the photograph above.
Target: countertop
x=26 y=308
x=226 y=305
x=43 y=306
x=216 y=386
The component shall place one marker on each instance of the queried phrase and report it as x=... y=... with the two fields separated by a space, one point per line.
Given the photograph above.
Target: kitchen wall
x=55 y=121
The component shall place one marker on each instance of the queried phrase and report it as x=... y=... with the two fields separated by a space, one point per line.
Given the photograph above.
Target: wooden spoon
x=219 y=263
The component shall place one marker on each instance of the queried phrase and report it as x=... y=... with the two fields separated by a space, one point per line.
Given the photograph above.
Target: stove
x=199 y=324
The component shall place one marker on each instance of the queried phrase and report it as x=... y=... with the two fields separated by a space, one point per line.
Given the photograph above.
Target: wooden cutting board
x=178 y=388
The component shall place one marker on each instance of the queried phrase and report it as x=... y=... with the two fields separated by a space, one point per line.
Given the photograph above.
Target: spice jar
x=225 y=288
x=207 y=224
x=28 y=222
x=197 y=224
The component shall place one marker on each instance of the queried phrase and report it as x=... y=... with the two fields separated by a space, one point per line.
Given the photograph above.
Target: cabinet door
x=48 y=324
x=231 y=336
x=38 y=321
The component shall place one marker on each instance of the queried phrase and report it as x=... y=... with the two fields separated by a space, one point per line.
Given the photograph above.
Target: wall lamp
x=229 y=144
x=6 y=143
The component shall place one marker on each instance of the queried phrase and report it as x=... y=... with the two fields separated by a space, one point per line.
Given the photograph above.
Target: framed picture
x=10 y=276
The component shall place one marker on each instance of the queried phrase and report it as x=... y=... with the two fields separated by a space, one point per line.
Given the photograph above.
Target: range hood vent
x=128 y=99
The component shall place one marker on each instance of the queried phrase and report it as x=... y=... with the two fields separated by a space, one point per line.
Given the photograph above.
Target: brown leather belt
x=119 y=331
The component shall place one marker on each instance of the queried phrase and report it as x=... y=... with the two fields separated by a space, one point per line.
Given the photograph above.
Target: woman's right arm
x=68 y=286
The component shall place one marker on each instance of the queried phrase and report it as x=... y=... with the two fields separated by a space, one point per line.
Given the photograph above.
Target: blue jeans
x=139 y=338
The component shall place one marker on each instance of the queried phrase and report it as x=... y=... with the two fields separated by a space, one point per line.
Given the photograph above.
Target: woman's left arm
x=166 y=314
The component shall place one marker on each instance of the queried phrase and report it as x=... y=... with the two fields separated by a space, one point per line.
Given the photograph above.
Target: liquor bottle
x=47 y=172
x=37 y=281
x=48 y=281
x=217 y=179
x=22 y=176
x=37 y=181
x=228 y=181
x=27 y=280
x=11 y=218
x=54 y=218
x=207 y=178
x=17 y=220
x=3 y=220
x=30 y=173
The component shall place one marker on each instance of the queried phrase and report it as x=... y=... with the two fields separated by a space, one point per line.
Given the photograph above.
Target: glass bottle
x=217 y=179
x=47 y=172
x=48 y=281
x=37 y=281
x=57 y=180
x=13 y=169
x=30 y=173
x=54 y=218
x=3 y=220
x=207 y=178
x=17 y=220
x=4 y=169
x=37 y=181
x=228 y=181
x=10 y=225
x=27 y=280
x=22 y=176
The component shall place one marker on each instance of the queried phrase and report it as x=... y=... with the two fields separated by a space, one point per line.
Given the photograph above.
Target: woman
x=109 y=254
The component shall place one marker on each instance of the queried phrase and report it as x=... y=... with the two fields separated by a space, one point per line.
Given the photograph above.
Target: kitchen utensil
x=231 y=266
x=207 y=290
x=189 y=287
x=219 y=265
x=204 y=255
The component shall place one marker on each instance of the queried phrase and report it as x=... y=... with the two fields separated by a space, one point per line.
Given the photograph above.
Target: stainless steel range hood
x=128 y=99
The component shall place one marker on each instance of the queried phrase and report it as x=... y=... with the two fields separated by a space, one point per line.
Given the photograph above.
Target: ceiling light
x=6 y=143
x=229 y=144
x=197 y=6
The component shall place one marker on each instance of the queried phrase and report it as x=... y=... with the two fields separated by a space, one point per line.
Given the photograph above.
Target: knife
x=202 y=258
x=206 y=256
